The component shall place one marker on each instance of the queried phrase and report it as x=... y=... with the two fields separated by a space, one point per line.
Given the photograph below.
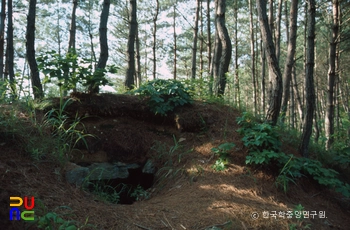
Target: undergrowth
x=169 y=157
x=264 y=147
x=222 y=151
x=69 y=132
x=59 y=218
x=164 y=95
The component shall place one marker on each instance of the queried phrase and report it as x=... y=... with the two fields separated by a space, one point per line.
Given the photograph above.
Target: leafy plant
x=264 y=145
x=69 y=70
x=52 y=220
x=68 y=132
x=198 y=87
x=261 y=136
x=222 y=151
x=164 y=95
x=168 y=157
x=104 y=191
x=263 y=157
x=246 y=121
x=300 y=224
x=323 y=176
x=140 y=193
x=287 y=175
x=341 y=156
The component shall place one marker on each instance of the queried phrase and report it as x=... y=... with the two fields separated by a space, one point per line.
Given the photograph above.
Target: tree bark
x=175 y=43
x=138 y=60
x=263 y=76
x=309 y=81
x=201 y=42
x=130 y=72
x=195 y=38
x=214 y=69
x=292 y=107
x=286 y=19
x=2 y=37
x=274 y=70
x=226 y=47
x=332 y=74
x=30 y=36
x=155 y=18
x=30 y=50
x=58 y=28
x=209 y=50
x=252 y=53
x=10 y=51
x=102 y=61
x=73 y=27
x=271 y=17
x=278 y=30
x=288 y=68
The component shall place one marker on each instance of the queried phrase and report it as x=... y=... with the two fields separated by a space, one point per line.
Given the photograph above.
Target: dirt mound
x=124 y=128
x=187 y=193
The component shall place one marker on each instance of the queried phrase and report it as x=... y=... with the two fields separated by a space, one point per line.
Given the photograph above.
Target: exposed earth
x=186 y=192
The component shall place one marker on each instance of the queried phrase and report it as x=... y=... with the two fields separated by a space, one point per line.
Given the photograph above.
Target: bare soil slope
x=187 y=194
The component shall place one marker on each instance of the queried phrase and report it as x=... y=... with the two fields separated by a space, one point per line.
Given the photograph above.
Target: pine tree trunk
x=237 y=86
x=155 y=18
x=58 y=28
x=130 y=71
x=73 y=27
x=309 y=81
x=286 y=19
x=72 y=33
x=2 y=37
x=10 y=50
x=209 y=50
x=292 y=107
x=195 y=38
x=263 y=76
x=93 y=54
x=175 y=45
x=216 y=58
x=138 y=60
x=102 y=61
x=275 y=95
x=288 y=68
x=271 y=17
x=30 y=36
x=297 y=97
x=332 y=73
x=278 y=30
x=201 y=42
x=252 y=53
x=226 y=47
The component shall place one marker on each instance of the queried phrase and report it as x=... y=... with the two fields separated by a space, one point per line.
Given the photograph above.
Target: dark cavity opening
x=123 y=191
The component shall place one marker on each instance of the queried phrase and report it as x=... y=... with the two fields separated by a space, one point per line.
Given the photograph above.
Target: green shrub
x=69 y=132
x=103 y=191
x=222 y=151
x=68 y=71
x=52 y=220
x=140 y=193
x=264 y=145
x=264 y=157
x=300 y=219
x=287 y=175
x=164 y=95
x=261 y=136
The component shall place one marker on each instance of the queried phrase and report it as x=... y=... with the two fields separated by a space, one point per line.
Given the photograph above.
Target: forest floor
x=189 y=194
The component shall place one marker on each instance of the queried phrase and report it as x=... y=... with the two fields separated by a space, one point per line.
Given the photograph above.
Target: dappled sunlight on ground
x=196 y=197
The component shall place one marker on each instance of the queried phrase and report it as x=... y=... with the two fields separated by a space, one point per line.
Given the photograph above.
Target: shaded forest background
x=285 y=61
